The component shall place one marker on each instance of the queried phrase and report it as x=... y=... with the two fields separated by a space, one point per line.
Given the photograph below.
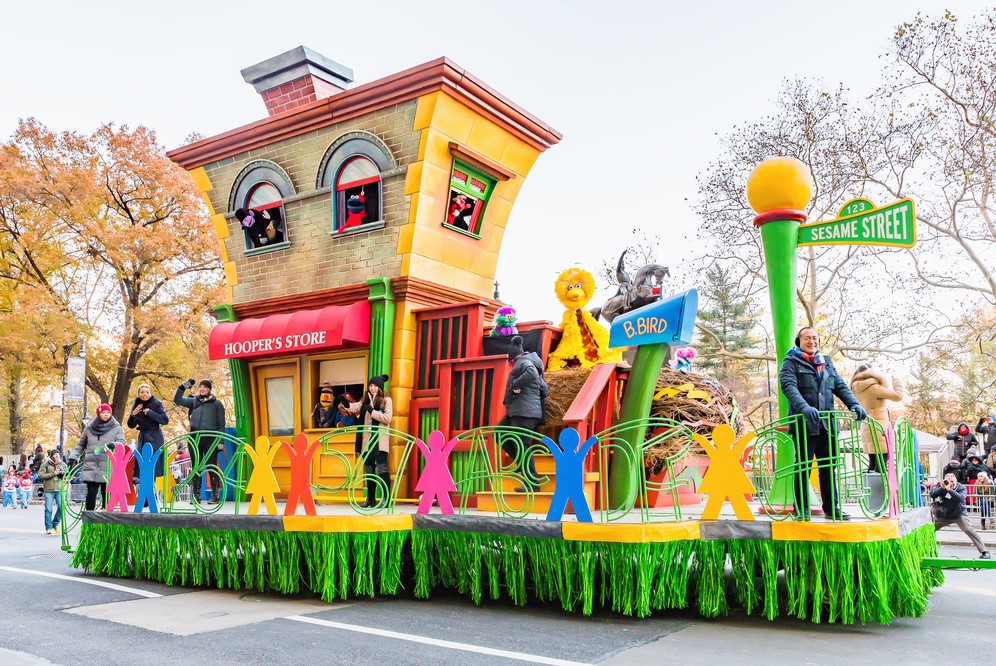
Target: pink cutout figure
x=300 y=461
x=118 y=486
x=436 y=482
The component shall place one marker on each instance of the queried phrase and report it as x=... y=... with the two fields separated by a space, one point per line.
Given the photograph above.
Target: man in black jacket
x=809 y=381
x=207 y=414
x=948 y=498
x=987 y=428
x=525 y=391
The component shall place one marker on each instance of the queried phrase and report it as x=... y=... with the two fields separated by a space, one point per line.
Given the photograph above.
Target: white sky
x=640 y=90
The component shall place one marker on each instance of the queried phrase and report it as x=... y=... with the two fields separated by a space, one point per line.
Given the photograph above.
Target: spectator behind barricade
x=37 y=461
x=148 y=416
x=962 y=438
x=984 y=496
x=990 y=462
x=957 y=468
x=987 y=428
x=948 y=499
x=52 y=475
x=974 y=467
x=875 y=391
x=101 y=435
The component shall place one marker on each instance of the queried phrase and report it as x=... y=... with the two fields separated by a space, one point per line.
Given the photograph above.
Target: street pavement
x=55 y=614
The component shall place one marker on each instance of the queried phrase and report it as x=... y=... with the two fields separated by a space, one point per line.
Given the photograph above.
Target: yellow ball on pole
x=780 y=183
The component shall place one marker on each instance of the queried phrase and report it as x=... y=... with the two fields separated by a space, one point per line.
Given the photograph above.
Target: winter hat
x=378 y=381
x=205 y=382
x=104 y=407
x=516 y=349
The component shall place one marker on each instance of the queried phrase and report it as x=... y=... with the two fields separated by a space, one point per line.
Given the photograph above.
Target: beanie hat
x=378 y=381
x=516 y=349
x=206 y=382
x=104 y=407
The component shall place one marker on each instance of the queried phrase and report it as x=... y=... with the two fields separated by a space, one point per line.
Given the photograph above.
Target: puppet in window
x=504 y=323
x=460 y=212
x=356 y=211
x=324 y=412
x=258 y=225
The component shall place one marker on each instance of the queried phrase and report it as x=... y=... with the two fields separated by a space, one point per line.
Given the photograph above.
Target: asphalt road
x=68 y=619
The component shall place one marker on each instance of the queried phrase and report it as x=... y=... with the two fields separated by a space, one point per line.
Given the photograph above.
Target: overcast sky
x=640 y=90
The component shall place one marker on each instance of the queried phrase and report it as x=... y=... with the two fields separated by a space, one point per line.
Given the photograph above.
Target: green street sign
x=862 y=224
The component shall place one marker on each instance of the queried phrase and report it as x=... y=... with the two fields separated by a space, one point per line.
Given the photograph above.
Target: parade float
x=360 y=230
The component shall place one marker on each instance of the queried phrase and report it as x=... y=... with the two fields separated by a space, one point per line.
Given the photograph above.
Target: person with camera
x=948 y=498
x=809 y=382
x=52 y=474
x=207 y=415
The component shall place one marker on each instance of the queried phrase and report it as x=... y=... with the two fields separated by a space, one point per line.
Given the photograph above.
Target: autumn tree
x=111 y=233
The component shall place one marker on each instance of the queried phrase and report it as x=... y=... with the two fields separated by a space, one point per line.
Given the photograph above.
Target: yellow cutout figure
x=262 y=482
x=583 y=340
x=726 y=479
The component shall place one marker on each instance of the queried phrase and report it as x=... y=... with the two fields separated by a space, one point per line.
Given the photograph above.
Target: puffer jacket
x=801 y=385
x=92 y=448
x=47 y=474
x=525 y=389
x=206 y=414
x=961 y=442
x=875 y=391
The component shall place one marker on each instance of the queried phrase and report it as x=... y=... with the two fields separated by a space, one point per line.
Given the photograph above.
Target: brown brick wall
x=316 y=259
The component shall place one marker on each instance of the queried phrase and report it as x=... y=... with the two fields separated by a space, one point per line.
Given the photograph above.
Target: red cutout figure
x=300 y=488
x=436 y=482
x=118 y=486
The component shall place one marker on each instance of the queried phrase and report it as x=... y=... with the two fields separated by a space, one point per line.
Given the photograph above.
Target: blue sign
x=668 y=321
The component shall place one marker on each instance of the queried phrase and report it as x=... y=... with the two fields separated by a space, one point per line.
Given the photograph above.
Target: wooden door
x=277 y=389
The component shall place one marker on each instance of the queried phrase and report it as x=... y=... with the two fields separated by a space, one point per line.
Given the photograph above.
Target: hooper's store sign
x=288 y=343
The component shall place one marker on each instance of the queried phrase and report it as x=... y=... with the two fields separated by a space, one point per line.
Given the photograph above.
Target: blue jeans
x=50 y=499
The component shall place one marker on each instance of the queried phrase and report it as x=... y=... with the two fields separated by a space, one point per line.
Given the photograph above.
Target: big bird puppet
x=584 y=341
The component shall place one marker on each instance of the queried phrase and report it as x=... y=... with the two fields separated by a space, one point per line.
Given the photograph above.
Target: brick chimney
x=295 y=78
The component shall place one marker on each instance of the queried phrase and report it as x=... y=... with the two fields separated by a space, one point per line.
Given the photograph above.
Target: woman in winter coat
x=963 y=440
x=874 y=391
x=102 y=433
x=374 y=411
x=148 y=415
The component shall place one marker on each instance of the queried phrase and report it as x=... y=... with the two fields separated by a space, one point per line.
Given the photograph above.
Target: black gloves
x=187 y=385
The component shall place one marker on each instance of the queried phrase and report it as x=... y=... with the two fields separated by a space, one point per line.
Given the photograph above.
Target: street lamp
x=66 y=349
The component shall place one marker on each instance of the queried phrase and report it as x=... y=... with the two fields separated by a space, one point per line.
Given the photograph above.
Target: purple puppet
x=436 y=482
x=118 y=486
x=504 y=323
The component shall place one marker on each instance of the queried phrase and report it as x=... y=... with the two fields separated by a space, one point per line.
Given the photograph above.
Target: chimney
x=295 y=78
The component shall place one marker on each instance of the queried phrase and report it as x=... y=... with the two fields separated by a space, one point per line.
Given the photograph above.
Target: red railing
x=592 y=411
x=444 y=333
x=471 y=392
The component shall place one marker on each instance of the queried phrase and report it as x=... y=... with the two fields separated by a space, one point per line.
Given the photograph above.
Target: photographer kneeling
x=948 y=498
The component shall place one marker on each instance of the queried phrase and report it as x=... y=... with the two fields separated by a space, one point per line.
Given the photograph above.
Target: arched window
x=352 y=169
x=257 y=199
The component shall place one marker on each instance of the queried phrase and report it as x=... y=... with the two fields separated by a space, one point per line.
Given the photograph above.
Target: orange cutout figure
x=300 y=488
x=262 y=482
x=726 y=479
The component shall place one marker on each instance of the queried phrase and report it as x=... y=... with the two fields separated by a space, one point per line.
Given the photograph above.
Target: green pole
x=640 y=389
x=381 y=326
x=780 y=238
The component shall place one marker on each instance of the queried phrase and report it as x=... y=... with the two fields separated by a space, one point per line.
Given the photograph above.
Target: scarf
x=816 y=360
x=98 y=427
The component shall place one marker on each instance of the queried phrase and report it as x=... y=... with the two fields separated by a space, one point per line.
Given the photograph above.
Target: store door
x=278 y=411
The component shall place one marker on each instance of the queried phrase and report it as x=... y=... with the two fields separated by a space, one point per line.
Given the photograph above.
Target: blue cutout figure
x=570 y=475
x=147 y=478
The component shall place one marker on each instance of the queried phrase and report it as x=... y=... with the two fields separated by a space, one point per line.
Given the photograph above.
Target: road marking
x=970 y=590
x=21 y=530
x=87 y=581
x=521 y=656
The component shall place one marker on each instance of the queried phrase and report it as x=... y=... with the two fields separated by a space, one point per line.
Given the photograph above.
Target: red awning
x=294 y=333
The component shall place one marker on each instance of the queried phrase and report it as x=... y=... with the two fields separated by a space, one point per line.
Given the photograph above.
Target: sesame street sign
x=860 y=223
x=670 y=321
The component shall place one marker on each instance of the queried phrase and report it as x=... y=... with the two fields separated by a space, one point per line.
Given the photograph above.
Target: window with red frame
x=357 y=194
x=262 y=217
x=470 y=190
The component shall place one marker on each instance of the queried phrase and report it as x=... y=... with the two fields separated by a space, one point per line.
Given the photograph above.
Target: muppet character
x=356 y=211
x=504 y=321
x=324 y=412
x=255 y=223
x=458 y=206
x=685 y=357
x=584 y=341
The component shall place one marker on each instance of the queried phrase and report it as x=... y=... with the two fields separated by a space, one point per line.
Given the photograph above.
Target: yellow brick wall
x=428 y=249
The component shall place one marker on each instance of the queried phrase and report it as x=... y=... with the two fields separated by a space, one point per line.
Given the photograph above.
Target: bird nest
x=696 y=401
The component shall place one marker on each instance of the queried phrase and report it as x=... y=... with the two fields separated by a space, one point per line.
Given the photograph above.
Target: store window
x=470 y=190
x=343 y=381
x=279 y=406
x=258 y=202
x=353 y=169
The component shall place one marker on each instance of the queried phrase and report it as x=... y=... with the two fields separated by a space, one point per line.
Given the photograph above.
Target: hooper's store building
x=359 y=230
